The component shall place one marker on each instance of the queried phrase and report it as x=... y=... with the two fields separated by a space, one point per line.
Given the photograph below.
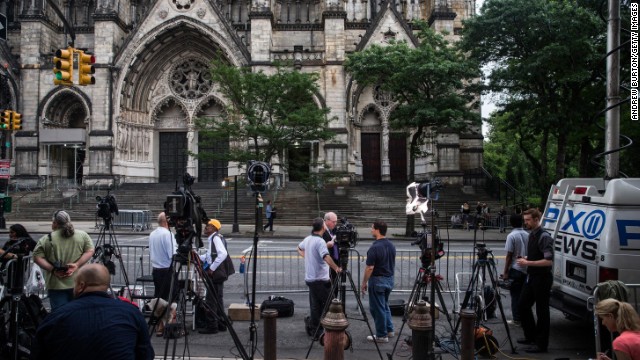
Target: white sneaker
x=391 y=334
x=378 y=339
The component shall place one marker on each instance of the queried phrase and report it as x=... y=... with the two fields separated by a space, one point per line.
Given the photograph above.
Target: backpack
x=226 y=269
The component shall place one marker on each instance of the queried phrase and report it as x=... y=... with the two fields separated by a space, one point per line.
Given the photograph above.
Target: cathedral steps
x=360 y=204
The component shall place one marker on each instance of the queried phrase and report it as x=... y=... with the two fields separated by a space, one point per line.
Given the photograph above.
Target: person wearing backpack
x=218 y=267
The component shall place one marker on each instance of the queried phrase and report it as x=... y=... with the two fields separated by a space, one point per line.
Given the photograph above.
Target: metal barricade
x=408 y=264
x=136 y=220
x=135 y=260
x=592 y=301
x=10 y=278
x=284 y=271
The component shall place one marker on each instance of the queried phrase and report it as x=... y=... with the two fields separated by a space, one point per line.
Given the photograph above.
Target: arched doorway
x=211 y=169
x=173 y=142
x=63 y=138
x=371 y=145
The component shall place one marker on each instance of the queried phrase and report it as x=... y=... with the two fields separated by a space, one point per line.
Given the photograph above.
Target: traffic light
x=63 y=67
x=16 y=121
x=86 y=69
x=5 y=121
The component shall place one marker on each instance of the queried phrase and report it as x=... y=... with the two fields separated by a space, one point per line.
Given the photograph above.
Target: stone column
x=109 y=28
x=386 y=166
x=36 y=82
x=261 y=33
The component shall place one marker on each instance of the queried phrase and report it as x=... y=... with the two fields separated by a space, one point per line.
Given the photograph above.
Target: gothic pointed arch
x=155 y=52
x=64 y=106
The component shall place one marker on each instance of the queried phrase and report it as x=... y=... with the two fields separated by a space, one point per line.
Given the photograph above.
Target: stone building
x=135 y=123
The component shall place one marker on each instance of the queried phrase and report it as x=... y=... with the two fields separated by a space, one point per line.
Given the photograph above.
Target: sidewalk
x=280 y=231
x=569 y=340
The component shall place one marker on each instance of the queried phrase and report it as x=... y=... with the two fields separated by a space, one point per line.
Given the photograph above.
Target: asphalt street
x=569 y=339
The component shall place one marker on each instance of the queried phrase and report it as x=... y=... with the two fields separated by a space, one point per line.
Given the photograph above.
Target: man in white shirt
x=162 y=247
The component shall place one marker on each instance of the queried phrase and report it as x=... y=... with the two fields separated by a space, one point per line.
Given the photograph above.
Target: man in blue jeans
x=378 y=279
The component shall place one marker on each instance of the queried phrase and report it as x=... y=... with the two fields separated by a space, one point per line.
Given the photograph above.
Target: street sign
x=5 y=166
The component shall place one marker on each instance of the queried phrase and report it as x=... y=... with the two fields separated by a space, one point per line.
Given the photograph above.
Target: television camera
x=184 y=212
x=107 y=206
x=482 y=251
x=425 y=243
x=346 y=236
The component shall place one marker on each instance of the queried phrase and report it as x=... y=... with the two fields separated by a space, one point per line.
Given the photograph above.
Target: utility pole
x=612 y=132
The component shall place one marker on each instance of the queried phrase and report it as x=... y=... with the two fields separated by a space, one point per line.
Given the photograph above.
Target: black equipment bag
x=397 y=307
x=283 y=305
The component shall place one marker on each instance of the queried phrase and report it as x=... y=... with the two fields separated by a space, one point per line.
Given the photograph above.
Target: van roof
x=614 y=192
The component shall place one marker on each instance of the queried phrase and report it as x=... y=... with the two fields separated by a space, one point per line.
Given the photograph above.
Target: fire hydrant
x=421 y=331
x=335 y=339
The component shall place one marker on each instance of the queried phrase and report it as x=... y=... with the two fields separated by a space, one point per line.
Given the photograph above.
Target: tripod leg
x=504 y=319
x=362 y=311
x=468 y=292
x=315 y=337
x=414 y=296
x=443 y=304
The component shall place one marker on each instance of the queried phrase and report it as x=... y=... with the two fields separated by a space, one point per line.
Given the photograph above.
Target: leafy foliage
x=430 y=84
x=544 y=59
x=264 y=114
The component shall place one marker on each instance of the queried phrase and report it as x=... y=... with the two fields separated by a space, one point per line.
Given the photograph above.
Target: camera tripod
x=426 y=275
x=482 y=265
x=106 y=248
x=19 y=321
x=344 y=275
x=181 y=293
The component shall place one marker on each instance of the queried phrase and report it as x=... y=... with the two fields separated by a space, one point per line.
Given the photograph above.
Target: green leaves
x=265 y=113
x=430 y=83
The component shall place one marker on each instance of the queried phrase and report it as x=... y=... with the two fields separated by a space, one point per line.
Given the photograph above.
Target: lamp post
x=236 y=227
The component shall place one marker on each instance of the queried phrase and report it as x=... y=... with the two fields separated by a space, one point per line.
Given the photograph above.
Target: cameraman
x=60 y=254
x=316 y=264
x=162 y=247
x=516 y=247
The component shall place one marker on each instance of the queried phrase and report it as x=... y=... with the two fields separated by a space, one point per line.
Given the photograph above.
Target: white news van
x=595 y=225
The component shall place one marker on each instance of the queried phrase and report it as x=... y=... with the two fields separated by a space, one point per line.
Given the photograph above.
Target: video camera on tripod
x=482 y=251
x=107 y=206
x=424 y=241
x=184 y=212
x=346 y=236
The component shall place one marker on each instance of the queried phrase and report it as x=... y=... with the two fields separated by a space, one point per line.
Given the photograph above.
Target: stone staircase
x=360 y=204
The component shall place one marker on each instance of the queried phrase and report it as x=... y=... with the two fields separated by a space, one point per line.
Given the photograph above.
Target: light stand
x=253 y=329
x=236 y=227
x=419 y=197
x=258 y=173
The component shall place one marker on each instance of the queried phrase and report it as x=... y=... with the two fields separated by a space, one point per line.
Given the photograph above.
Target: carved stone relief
x=133 y=142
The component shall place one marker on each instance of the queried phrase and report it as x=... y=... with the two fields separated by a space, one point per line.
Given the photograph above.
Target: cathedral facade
x=136 y=123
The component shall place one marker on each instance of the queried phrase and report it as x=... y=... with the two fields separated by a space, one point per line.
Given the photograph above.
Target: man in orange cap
x=214 y=258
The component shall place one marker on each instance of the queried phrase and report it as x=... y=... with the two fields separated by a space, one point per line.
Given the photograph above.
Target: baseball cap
x=215 y=223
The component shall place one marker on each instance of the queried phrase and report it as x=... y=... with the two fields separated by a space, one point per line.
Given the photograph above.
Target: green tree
x=428 y=82
x=544 y=60
x=264 y=114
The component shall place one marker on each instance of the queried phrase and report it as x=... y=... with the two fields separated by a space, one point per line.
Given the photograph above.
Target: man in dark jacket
x=537 y=286
x=94 y=325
